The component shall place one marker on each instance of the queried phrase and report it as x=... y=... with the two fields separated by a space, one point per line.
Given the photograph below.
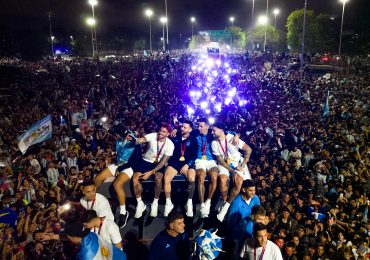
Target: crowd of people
x=288 y=182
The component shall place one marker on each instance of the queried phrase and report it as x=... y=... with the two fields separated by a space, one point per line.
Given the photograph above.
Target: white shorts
x=244 y=174
x=113 y=168
x=205 y=165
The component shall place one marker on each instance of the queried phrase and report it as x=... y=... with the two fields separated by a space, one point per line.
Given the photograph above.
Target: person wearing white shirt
x=105 y=228
x=52 y=174
x=259 y=247
x=160 y=149
x=230 y=164
x=92 y=200
x=34 y=163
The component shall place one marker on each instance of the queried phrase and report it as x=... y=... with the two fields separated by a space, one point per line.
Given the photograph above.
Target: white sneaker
x=154 y=210
x=189 y=209
x=140 y=208
x=219 y=205
x=221 y=215
x=203 y=213
x=206 y=209
x=168 y=208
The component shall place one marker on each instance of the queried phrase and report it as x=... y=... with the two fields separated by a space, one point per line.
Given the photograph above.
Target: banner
x=39 y=132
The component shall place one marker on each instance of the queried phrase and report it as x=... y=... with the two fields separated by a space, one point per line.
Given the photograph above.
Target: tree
x=329 y=32
x=238 y=37
x=272 y=37
x=295 y=29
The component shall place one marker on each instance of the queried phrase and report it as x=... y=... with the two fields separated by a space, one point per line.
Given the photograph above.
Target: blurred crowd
x=311 y=172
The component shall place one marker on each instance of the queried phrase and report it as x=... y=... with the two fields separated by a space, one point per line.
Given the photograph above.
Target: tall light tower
x=232 y=19
x=149 y=13
x=95 y=44
x=341 y=27
x=51 y=36
x=91 y=22
x=267 y=13
x=163 y=20
x=252 y=24
x=165 y=3
x=303 y=34
x=276 y=12
x=192 y=20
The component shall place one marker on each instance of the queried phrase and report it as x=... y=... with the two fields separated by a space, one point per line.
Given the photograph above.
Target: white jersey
x=109 y=232
x=155 y=146
x=219 y=149
x=271 y=252
x=100 y=205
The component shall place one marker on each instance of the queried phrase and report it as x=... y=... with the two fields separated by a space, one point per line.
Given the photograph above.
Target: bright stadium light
x=90 y=21
x=211 y=120
x=262 y=20
x=93 y=2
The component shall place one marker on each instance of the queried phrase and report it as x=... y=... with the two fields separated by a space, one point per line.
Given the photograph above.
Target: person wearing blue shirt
x=205 y=164
x=241 y=208
x=173 y=242
x=258 y=215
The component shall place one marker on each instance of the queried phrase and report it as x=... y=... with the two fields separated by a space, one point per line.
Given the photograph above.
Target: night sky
x=69 y=15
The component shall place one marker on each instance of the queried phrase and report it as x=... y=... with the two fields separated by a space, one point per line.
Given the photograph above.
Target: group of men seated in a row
x=194 y=153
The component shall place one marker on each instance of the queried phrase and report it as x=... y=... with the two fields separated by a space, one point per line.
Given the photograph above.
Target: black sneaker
x=122 y=221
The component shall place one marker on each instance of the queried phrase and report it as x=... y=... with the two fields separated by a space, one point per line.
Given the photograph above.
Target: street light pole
x=149 y=13
x=165 y=2
x=163 y=21
x=91 y=22
x=303 y=34
x=267 y=12
x=232 y=25
x=276 y=12
x=252 y=24
x=341 y=28
x=94 y=41
x=192 y=20
x=51 y=36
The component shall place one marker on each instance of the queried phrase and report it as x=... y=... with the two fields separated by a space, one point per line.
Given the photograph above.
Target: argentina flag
x=37 y=133
x=325 y=109
x=94 y=248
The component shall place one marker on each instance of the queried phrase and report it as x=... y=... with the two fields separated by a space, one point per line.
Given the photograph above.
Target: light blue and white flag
x=37 y=133
x=95 y=248
x=209 y=245
x=325 y=109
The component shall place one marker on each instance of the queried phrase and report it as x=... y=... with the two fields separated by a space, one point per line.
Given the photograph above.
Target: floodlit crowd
x=283 y=174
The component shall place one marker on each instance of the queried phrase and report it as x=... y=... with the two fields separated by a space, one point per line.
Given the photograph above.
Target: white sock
x=139 y=200
x=122 y=209
x=155 y=201
x=190 y=201
x=226 y=206
x=168 y=201
x=208 y=202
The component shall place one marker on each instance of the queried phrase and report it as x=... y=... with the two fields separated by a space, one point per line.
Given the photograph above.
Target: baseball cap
x=76 y=229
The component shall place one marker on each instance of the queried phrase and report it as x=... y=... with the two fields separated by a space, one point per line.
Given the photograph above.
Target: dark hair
x=173 y=216
x=258 y=227
x=204 y=120
x=258 y=210
x=88 y=216
x=220 y=125
x=248 y=183
x=88 y=183
x=190 y=123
